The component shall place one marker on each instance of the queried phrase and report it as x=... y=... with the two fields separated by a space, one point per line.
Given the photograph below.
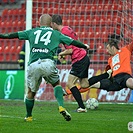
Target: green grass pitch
x=108 y=118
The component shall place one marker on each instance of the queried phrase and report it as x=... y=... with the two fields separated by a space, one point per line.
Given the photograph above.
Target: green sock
x=58 y=92
x=29 y=106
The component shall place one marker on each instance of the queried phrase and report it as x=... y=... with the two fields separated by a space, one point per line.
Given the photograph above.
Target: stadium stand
x=99 y=25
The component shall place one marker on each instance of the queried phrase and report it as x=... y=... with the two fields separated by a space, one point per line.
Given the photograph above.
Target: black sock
x=95 y=79
x=77 y=96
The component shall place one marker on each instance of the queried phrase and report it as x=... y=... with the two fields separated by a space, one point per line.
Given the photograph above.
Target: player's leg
x=53 y=78
x=84 y=85
x=84 y=82
x=129 y=83
x=121 y=81
x=97 y=78
x=107 y=85
x=29 y=103
x=33 y=82
x=71 y=83
x=79 y=70
x=58 y=93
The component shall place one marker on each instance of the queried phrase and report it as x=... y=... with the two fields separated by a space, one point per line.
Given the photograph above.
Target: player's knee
x=30 y=94
x=129 y=83
x=84 y=85
x=69 y=85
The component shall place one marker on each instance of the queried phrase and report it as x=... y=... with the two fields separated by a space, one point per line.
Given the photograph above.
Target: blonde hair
x=45 y=20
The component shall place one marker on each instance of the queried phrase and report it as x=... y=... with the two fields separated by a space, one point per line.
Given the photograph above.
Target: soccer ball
x=92 y=103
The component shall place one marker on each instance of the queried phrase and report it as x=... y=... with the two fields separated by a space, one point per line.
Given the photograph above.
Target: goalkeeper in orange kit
x=119 y=62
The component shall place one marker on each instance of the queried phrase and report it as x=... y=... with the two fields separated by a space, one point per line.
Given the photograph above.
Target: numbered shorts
x=42 y=68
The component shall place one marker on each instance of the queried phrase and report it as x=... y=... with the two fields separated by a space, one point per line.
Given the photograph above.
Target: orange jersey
x=120 y=62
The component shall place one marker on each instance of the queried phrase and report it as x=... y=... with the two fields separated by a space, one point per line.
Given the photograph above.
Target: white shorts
x=42 y=68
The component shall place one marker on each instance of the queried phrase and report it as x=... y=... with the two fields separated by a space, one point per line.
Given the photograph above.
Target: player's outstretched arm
x=9 y=36
x=80 y=44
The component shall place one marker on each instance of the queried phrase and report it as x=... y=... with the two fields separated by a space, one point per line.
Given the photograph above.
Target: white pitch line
x=13 y=117
x=6 y=116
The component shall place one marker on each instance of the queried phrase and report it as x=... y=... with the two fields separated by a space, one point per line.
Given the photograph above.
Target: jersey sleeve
x=68 y=47
x=65 y=39
x=23 y=35
x=107 y=67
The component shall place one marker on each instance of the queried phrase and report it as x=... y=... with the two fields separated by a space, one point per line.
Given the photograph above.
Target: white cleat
x=81 y=110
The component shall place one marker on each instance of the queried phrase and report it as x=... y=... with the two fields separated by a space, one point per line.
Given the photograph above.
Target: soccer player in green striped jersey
x=44 y=42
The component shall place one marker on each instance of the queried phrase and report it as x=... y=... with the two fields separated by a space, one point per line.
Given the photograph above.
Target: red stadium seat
x=4 y=13
x=92 y=45
x=22 y=12
x=18 y=49
x=81 y=22
x=88 y=20
x=13 y=53
x=3 y=30
x=83 y=35
x=10 y=12
x=91 y=35
x=7 y=53
x=94 y=57
x=39 y=10
x=55 y=10
x=93 y=8
x=13 y=49
x=102 y=20
x=116 y=20
x=87 y=8
x=23 y=6
x=114 y=7
x=131 y=21
x=98 y=57
x=109 y=20
x=96 y=20
x=100 y=7
x=100 y=48
x=74 y=22
x=5 y=1
x=14 y=23
x=21 y=25
x=104 y=36
x=97 y=35
x=111 y=30
x=15 y=12
x=15 y=58
x=102 y=57
x=1 y=53
x=12 y=1
x=107 y=7
x=8 y=24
